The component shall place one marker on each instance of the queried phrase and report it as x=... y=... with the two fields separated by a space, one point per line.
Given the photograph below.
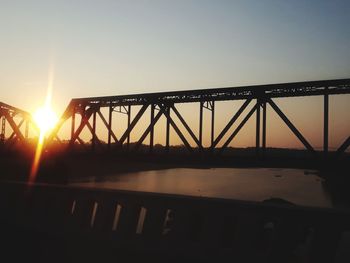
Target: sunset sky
x=98 y=48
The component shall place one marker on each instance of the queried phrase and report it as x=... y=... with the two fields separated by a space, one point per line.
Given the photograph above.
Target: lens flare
x=46 y=119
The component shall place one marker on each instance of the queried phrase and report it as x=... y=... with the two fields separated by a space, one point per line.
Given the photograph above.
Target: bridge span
x=165 y=104
x=15 y=118
x=83 y=113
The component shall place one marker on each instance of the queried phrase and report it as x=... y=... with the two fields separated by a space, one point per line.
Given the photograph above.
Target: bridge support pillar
x=3 y=128
x=151 y=137
x=212 y=123
x=325 y=123
x=129 y=121
x=26 y=129
x=73 y=125
x=264 y=128
x=93 y=143
x=110 y=112
x=201 y=124
x=167 y=139
x=257 y=143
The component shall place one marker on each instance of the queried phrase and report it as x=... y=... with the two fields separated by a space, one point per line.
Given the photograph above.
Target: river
x=301 y=187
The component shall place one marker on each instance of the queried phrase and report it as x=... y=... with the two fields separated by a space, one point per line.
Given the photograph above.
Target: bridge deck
x=308 y=88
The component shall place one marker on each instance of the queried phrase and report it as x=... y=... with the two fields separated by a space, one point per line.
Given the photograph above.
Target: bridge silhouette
x=16 y=118
x=165 y=104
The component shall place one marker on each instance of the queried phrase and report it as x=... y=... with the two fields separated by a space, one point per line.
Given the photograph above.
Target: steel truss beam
x=84 y=120
x=295 y=89
x=290 y=125
x=164 y=103
x=8 y=114
x=187 y=127
x=230 y=123
x=177 y=130
x=165 y=110
x=209 y=105
x=344 y=146
x=239 y=127
x=132 y=124
x=150 y=128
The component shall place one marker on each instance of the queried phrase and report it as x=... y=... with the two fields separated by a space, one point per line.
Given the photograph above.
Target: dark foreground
x=47 y=223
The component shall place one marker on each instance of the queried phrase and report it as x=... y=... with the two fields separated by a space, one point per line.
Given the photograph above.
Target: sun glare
x=45 y=118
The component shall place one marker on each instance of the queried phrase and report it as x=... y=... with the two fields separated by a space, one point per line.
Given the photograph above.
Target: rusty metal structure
x=165 y=103
x=16 y=119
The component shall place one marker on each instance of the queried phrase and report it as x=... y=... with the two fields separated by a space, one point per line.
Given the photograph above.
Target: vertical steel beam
x=230 y=123
x=93 y=144
x=13 y=133
x=177 y=130
x=212 y=122
x=325 y=122
x=151 y=136
x=167 y=139
x=133 y=124
x=26 y=129
x=201 y=124
x=150 y=127
x=73 y=125
x=257 y=134
x=129 y=120
x=3 y=129
x=264 y=127
x=14 y=126
x=85 y=116
x=107 y=126
x=110 y=124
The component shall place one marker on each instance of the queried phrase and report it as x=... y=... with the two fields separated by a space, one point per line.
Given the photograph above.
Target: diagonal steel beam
x=54 y=132
x=149 y=128
x=13 y=125
x=230 y=123
x=239 y=127
x=290 y=125
x=344 y=146
x=184 y=123
x=177 y=130
x=83 y=122
x=133 y=123
x=107 y=126
x=81 y=141
x=19 y=126
x=93 y=133
x=58 y=139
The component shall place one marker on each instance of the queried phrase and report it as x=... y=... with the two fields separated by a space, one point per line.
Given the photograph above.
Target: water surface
x=256 y=184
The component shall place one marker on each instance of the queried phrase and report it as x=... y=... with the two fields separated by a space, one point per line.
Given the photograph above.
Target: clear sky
x=118 y=47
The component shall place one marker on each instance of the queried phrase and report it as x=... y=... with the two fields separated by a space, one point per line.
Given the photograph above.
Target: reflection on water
x=297 y=186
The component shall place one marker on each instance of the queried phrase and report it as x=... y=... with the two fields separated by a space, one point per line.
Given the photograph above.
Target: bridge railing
x=176 y=224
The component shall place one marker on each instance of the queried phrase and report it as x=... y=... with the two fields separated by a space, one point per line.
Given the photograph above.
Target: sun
x=45 y=118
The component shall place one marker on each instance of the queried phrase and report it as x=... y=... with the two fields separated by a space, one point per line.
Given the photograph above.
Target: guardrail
x=163 y=225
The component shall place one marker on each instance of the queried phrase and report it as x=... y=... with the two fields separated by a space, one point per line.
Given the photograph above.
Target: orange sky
x=115 y=47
